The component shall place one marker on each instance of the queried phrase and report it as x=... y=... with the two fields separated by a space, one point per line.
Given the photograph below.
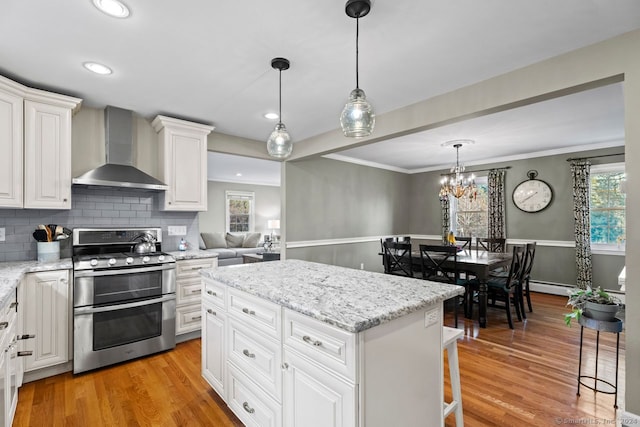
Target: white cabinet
x=188 y=290
x=10 y=364
x=45 y=310
x=213 y=336
x=35 y=139
x=183 y=163
x=11 y=163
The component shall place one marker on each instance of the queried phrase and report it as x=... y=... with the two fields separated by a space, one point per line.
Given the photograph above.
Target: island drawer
x=257 y=313
x=191 y=267
x=188 y=318
x=327 y=345
x=251 y=404
x=214 y=292
x=188 y=291
x=259 y=356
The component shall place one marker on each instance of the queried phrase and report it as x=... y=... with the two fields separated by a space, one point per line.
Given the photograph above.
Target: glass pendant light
x=279 y=144
x=357 y=119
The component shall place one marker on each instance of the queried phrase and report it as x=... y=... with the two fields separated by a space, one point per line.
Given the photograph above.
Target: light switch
x=177 y=230
x=431 y=317
x=2 y=234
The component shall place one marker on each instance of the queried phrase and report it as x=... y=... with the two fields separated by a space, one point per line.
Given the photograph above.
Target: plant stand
x=616 y=327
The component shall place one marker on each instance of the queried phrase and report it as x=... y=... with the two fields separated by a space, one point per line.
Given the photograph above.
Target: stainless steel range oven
x=124 y=302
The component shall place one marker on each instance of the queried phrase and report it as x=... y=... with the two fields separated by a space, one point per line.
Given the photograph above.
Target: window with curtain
x=240 y=211
x=469 y=216
x=607 y=199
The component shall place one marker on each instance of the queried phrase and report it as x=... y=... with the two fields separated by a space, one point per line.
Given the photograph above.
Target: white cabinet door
x=10 y=146
x=213 y=346
x=47 y=155
x=315 y=397
x=183 y=163
x=44 y=307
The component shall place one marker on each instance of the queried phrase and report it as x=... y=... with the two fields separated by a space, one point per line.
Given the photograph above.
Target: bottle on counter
x=182 y=246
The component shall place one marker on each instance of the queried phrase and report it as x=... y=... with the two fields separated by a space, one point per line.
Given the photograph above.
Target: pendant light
x=279 y=144
x=357 y=119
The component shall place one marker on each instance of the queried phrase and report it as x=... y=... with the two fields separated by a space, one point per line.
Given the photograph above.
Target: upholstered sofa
x=230 y=247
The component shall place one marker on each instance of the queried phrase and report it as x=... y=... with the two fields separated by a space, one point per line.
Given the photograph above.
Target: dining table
x=478 y=263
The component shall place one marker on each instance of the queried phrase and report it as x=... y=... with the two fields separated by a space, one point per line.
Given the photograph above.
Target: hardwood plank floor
x=520 y=377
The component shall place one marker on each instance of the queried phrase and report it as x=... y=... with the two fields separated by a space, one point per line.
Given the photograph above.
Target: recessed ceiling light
x=97 y=68
x=113 y=8
x=238 y=174
x=271 y=116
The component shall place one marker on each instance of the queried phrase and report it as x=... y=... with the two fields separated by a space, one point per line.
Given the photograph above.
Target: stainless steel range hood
x=119 y=170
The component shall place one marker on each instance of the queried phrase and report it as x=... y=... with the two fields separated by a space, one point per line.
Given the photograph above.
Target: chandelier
x=455 y=183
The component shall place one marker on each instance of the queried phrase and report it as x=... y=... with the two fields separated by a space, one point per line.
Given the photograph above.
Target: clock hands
x=528 y=197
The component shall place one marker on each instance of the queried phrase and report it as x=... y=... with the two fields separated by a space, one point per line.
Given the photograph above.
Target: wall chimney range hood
x=119 y=171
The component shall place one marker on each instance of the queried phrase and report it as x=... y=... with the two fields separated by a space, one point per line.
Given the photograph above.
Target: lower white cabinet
x=10 y=364
x=188 y=290
x=276 y=367
x=45 y=311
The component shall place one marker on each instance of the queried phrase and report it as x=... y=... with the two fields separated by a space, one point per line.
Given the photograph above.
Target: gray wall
x=553 y=264
x=267 y=206
x=93 y=207
x=329 y=199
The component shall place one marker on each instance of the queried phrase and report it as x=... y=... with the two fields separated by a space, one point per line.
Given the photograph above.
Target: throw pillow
x=251 y=240
x=214 y=240
x=234 y=241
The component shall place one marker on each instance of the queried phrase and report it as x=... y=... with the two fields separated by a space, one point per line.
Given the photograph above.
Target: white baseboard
x=627 y=418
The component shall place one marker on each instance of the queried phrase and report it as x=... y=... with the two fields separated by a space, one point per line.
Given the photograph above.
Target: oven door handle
x=95 y=273
x=102 y=309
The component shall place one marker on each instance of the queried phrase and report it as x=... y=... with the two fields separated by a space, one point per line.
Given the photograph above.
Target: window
x=469 y=216
x=607 y=201
x=240 y=218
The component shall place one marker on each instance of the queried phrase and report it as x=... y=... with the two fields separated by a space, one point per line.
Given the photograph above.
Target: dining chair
x=491 y=244
x=398 y=259
x=463 y=243
x=440 y=264
x=384 y=256
x=508 y=288
x=526 y=275
x=403 y=239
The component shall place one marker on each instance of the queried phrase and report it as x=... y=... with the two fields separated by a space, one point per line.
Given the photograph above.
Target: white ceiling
x=209 y=60
x=243 y=170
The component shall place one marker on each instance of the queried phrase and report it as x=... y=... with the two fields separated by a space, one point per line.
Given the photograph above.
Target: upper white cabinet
x=183 y=163
x=35 y=139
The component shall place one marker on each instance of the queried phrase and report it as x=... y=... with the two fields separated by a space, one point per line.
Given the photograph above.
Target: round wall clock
x=532 y=195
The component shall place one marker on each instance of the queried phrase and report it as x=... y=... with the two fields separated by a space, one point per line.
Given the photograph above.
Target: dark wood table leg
x=482 y=305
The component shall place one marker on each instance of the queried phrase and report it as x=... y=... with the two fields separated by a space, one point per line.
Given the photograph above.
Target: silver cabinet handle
x=195 y=291
x=311 y=341
x=3 y=325
x=197 y=268
x=248 y=408
x=25 y=337
x=196 y=318
x=211 y=312
x=249 y=355
x=285 y=366
x=212 y=293
x=25 y=353
x=246 y=310
x=13 y=305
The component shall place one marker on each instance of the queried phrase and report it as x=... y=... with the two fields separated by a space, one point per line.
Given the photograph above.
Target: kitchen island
x=296 y=343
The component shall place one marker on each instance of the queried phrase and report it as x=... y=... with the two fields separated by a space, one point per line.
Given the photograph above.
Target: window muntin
x=607 y=206
x=240 y=211
x=470 y=216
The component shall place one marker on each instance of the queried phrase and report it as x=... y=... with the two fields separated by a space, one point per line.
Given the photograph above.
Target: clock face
x=532 y=196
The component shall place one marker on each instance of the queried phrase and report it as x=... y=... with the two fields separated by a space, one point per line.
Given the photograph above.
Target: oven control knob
x=145 y=259
x=129 y=260
x=93 y=262
x=112 y=261
x=161 y=258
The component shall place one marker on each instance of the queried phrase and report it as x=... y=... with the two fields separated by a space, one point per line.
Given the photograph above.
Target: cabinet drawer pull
x=3 y=325
x=197 y=268
x=25 y=353
x=213 y=294
x=211 y=312
x=25 y=336
x=196 y=318
x=311 y=341
x=249 y=355
x=13 y=305
x=246 y=310
x=248 y=408
x=195 y=291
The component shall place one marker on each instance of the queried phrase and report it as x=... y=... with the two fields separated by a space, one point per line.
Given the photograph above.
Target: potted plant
x=593 y=303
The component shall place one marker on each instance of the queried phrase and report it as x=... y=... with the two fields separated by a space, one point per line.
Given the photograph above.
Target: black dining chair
x=508 y=289
x=440 y=264
x=463 y=243
x=491 y=244
x=526 y=276
x=398 y=259
x=384 y=256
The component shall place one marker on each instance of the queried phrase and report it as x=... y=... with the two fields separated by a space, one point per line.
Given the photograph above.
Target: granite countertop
x=192 y=254
x=12 y=272
x=353 y=300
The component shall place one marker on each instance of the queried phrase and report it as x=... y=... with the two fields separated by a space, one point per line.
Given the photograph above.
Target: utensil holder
x=48 y=251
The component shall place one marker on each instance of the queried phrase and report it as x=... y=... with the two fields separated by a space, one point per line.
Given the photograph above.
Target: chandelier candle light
x=456 y=183
x=279 y=144
x=357 y=119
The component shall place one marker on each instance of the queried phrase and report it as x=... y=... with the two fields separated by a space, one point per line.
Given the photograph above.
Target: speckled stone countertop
x=12 y=272
x=353 y=300
x=192 y=254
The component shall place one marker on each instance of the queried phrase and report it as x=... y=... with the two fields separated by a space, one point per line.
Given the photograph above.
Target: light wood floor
x=521 y=377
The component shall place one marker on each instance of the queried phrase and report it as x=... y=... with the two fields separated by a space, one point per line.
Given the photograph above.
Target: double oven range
x=124 y=299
